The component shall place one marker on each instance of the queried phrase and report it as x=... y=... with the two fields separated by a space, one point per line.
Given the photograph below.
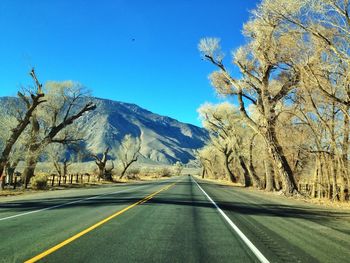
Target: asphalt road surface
x=181 y=219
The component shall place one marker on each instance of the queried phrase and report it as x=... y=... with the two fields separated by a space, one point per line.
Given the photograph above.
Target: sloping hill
x=163 y=139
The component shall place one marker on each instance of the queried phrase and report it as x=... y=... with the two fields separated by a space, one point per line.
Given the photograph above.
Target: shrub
x=165 y=172
x=133 y=171
x=132 y=177
x=178 y=167
x=146 y=171
x=39 y=182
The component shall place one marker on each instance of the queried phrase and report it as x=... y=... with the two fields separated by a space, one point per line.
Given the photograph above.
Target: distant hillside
x=163 y=139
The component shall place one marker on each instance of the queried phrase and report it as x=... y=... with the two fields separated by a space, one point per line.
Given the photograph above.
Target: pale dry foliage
x=127 y=153
x=293 y=96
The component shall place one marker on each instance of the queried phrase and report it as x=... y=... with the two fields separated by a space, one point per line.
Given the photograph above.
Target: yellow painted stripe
x=71 y=239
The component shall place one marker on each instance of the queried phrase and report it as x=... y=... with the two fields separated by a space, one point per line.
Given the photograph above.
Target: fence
x=57 y=180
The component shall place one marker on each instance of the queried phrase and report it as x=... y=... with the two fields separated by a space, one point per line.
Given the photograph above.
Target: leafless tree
x=268 y=76
x=294 y=93
x=229 y=136
x=178 y=168
x=32 y=101
x=128 y=152
x=51 y=123
x=101 y=162
x=57 y=155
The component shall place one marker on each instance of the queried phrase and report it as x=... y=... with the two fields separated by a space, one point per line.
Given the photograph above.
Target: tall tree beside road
x=31 y=101
x=294 y=91
x=53 y=122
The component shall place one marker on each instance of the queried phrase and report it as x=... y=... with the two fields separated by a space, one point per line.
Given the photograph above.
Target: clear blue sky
x=91 y=41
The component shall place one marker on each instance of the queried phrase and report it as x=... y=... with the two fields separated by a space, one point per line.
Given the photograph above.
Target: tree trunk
x=2 y=182
x=246 y=174
x=125 y=168
x=316 y=176
x=281 y=163
x=17 y=131
x=256 y=180
x=277 y=179
x=123 y=172
x=11 y=170
x=269 y=181
x=320 y=179
x=101 y=171
x=65 y=167
x=345 y=155
x=328 y=171
x=228 y=171
x=203 y=172
x=29 y=169
x=335 y=192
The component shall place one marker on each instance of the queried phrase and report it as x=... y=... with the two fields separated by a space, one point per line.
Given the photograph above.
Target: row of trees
x=47 y=116
x=63 y=156
x=291 y=125
x=42 y=124
x=127 y=153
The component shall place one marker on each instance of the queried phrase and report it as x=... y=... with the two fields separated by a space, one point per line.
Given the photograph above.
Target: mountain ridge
x=164 y=139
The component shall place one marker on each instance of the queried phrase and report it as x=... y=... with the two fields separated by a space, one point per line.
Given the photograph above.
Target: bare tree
x=32 y=102
x=324 y=74
x=229 y=135
x=178 y=167
x=66 y=102
x=128 y=152
x=58 y=155
x=268 y=76
x=325 y=26
x=101 y=162
x=208 y=157
x=294 y=92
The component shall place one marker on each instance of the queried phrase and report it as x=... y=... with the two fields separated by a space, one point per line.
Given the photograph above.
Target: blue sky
x=138 y=51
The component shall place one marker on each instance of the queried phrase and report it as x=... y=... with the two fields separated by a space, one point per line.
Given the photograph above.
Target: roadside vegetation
x=290 y=129
x=39 y=127
x=286 y=127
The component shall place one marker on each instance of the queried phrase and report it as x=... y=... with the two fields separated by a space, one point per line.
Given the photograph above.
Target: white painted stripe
x=72 y=202
x=253 y=248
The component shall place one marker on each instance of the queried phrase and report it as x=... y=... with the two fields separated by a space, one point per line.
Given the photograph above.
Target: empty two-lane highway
x=173 y=220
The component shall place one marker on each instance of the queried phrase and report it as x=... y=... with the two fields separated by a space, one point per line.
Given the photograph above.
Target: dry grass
x=221 y=182
x=277 y=195
x=94 y=183
x=11 y=192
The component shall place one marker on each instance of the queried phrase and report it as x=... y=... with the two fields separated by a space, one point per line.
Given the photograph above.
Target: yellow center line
x=71 y=239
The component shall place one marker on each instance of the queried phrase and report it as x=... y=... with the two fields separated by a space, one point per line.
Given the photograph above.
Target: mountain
x=163 y=139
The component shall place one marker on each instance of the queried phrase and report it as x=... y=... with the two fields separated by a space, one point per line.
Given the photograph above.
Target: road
x=169 y=221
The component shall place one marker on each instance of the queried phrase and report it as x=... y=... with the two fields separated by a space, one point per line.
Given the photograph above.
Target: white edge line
x=69 y=203
x=253 y=248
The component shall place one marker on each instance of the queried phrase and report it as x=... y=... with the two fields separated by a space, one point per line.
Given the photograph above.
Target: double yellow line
x=71 y=239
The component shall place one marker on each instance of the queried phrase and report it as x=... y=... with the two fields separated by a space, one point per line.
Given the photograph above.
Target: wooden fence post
x=53 y=180
x=15 y=183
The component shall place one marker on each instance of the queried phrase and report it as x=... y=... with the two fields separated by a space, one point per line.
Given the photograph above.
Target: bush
x=133 y=171
x=39 y=182
x=132 y=177
x=147 y=171
x=165 y=172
